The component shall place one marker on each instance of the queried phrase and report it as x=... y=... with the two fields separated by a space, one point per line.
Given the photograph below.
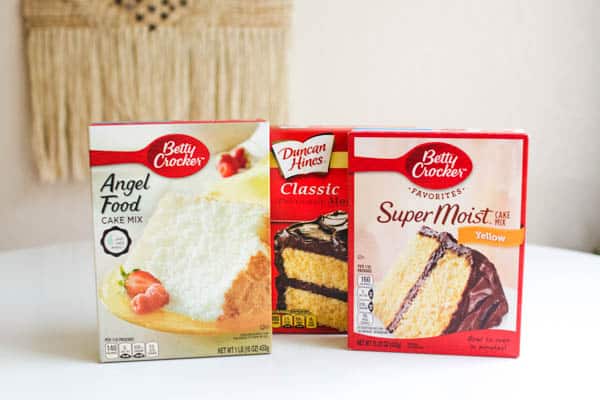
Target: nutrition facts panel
x=294 y=319
x=365 y=322
x=128 y=349
x=365 y=299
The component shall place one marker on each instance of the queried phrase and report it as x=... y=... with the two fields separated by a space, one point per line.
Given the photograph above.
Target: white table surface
x=48 y=345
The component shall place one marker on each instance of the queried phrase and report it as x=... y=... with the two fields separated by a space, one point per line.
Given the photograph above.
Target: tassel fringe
x=87 y=71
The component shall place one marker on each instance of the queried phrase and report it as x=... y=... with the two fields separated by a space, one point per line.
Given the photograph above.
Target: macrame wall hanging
x=118 y=60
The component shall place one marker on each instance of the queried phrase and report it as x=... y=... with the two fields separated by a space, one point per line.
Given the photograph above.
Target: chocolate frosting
x=282 y=282
x=483 y=304
x=326 y=235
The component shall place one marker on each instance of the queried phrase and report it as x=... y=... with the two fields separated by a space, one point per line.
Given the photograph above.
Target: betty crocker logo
x=301 y=158
x=173 y=156
x=432 y=165
x=437 y=165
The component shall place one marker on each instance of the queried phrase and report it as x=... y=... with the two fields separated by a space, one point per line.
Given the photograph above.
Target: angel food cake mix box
x=309 y=229
x=437 y=234
x=181 y=239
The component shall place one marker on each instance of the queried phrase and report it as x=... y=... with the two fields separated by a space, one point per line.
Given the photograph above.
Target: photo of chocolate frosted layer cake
x=439 y=287
x=312 y=261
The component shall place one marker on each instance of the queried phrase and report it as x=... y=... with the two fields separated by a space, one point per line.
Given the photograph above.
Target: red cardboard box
x=309 y=230
x=437 y=235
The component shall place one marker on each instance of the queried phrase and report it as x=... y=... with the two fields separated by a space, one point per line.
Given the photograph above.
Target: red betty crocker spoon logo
x=173 y=156
x=429 y=165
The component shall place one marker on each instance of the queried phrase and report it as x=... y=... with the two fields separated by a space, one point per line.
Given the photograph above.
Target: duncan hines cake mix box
x=309 y=229
x=437 y=234
x=181 y=239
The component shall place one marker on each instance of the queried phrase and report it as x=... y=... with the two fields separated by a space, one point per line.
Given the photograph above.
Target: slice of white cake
x=209 y=254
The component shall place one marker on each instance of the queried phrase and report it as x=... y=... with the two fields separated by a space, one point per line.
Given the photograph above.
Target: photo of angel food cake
x=204 y=260
x=439 y=287
x=312 y=262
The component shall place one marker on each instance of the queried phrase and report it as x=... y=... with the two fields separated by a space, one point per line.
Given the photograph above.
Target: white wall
x=532 y=64
x=481 y=64
x=30 y=213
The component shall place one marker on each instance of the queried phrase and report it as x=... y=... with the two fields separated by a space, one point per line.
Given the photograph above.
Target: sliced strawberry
x=229 y=164
x=136 y=281
x=227 y=168
x=239 y=155
x=154 y=298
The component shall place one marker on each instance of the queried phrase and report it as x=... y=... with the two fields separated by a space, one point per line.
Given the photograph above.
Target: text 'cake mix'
x=181 y=223
x=309 y=229
x=437 y=231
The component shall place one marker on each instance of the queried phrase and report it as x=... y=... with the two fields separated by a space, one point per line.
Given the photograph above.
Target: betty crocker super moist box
x=309 y=229
x=437 y=235
x=181 y=243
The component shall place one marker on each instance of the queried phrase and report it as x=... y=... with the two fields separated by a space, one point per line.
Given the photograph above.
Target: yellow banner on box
x=491 y=236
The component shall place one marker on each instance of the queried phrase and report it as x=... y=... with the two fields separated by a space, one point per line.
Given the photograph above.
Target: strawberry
x=239 y=155
x=227 y=166
x=136 y=281
x=154 y=298
x=227 y=158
